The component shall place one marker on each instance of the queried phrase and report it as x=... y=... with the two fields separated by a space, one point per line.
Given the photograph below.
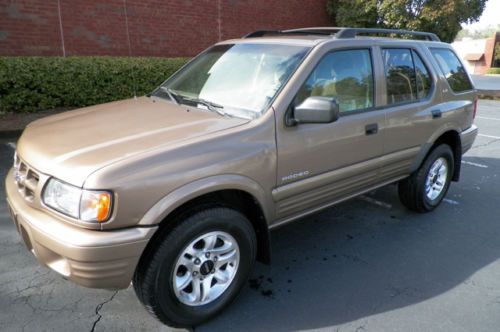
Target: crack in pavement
x=485 y=144
x=99 y=307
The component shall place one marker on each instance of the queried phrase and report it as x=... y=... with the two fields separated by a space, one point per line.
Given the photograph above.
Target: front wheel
x=198 y=268
x=424 y=190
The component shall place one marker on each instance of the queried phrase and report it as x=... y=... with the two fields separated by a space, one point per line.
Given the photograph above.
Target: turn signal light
x=96 y=206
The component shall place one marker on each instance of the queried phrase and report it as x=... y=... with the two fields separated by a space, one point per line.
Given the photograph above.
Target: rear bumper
x=467 y=138
x=90 y=258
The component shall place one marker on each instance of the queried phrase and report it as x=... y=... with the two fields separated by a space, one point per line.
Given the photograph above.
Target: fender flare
x=176 y=198
x=426 y=147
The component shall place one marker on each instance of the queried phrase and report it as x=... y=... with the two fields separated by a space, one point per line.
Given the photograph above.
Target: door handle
x=371 y=129
x=436 y=114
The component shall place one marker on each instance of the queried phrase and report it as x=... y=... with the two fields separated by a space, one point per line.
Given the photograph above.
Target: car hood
x=73 y=145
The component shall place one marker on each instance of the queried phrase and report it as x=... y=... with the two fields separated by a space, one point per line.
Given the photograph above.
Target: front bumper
x=91 y=258
x=467 y=138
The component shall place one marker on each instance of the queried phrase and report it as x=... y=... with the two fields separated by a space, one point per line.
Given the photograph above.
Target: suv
x=176 y=191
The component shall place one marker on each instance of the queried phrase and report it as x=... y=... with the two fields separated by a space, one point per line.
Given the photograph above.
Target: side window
x=452 y=69
x=424 y=80
x=346 y=76
x=400 y=75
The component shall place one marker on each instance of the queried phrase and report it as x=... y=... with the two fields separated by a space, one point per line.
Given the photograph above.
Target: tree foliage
x=485 y=32
x=443 y=17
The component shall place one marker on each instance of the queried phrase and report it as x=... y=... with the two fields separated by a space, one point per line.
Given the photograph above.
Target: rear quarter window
x=452 y=69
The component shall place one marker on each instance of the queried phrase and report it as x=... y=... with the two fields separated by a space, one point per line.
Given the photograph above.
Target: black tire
x=412 y=189
x=153 y=277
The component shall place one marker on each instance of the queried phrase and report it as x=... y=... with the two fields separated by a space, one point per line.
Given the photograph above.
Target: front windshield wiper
x=214 y=107
x=180 y=99
x=171 y=94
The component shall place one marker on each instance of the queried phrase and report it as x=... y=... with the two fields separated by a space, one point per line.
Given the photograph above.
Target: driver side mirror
x=314 y=110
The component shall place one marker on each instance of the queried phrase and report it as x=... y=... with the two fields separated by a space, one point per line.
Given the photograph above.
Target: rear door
x=410 y=100
x=427 y=92
x=324 y=162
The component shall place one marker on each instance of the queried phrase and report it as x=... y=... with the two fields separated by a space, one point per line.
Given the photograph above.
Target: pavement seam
x=99 y=307
x=486 y=144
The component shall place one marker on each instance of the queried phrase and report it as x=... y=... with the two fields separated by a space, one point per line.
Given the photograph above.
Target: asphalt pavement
x=367 y=264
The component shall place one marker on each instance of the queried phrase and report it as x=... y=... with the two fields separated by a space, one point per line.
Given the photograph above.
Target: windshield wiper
x=180 y=99
x=171 y=94
x=210 y=105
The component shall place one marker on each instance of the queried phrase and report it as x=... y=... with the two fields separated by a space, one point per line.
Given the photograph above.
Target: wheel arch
x=234 y=191
x=449 y=136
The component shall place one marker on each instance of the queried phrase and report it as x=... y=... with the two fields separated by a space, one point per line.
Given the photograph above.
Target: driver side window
x=346 y=76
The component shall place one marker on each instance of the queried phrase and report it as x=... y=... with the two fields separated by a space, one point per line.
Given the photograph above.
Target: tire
x=414 y=192
x=170 y=261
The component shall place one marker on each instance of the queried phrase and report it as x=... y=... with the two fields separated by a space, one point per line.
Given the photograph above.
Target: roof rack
x=353 y=32
x=341 y=33
x=305 y=31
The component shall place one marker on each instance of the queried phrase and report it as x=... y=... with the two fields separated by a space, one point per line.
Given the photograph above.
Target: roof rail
x=328 y=31
x=261 y=33
x=353 y=32
x=341 y=33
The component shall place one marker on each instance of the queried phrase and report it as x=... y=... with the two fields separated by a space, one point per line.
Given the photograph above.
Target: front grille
x=26 y=179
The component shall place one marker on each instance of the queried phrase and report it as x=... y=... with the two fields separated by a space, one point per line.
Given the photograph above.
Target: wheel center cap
x=206 y=267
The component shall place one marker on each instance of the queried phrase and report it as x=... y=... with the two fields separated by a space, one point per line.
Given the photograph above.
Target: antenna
x=129 y=46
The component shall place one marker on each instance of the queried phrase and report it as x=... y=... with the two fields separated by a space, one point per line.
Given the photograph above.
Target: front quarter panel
x=239 y=158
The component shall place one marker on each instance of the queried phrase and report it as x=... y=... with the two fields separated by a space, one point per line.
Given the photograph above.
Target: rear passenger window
x=400 y=76
x=346 y=76
x=452 y=69
x=407 y=77
x=424 y=82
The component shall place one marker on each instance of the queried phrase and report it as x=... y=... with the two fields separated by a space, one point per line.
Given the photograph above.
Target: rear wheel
x=198 y=268
x=424 y=190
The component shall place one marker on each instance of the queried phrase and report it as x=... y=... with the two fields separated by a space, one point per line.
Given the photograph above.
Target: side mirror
x=315 y=110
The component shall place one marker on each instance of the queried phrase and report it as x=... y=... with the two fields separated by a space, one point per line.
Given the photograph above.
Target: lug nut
x=195 y=273
x=215 y=259
x=197 y=261
x=207 y=254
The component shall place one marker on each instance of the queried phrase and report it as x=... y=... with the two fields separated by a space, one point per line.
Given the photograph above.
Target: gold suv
x=176 y=191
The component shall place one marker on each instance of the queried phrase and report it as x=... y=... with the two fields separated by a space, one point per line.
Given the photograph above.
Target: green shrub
x=29 y=84
x=494 y=70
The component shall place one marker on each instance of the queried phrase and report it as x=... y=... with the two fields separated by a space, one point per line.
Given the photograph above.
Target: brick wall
x=481 y=67
x=156 y=27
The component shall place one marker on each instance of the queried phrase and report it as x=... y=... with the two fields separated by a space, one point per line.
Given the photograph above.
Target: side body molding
x=204 y=186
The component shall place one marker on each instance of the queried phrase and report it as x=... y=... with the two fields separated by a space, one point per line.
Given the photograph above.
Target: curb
x=488 y=93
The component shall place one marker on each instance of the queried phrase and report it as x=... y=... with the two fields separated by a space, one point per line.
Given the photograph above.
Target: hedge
x=494 y=70
x=29 y=84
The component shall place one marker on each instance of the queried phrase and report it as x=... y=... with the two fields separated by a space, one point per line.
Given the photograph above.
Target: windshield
x=234 y=79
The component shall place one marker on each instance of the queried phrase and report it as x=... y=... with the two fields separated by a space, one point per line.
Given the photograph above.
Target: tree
x=496 y=56
x=485 y=32
x=443 y=17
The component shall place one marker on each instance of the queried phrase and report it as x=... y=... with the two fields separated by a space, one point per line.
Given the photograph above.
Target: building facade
x=166 y=28
x=477 y=54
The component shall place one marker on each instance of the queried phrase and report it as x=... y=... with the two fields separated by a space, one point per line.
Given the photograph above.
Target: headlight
x=63 y=197
x=86 y=205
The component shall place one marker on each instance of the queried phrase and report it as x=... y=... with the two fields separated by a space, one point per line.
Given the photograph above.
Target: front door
x=324 y=162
